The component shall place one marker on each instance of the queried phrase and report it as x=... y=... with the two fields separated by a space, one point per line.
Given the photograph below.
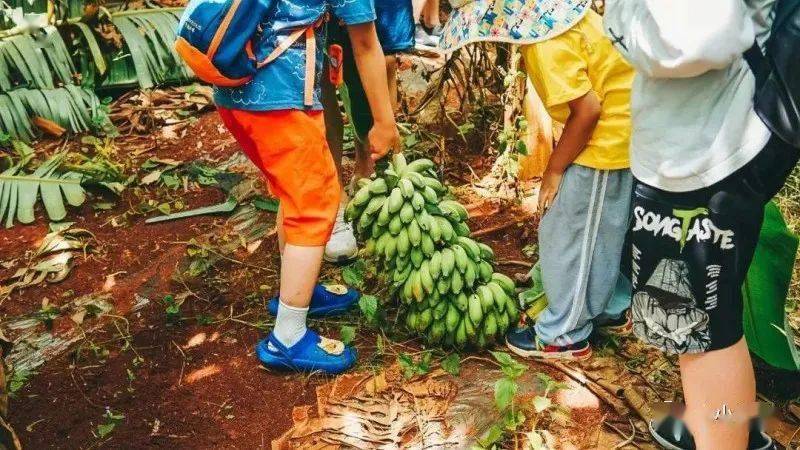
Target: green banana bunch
x=420 y=240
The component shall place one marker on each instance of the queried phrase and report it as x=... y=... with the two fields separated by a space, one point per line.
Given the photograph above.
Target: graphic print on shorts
x=678 y=260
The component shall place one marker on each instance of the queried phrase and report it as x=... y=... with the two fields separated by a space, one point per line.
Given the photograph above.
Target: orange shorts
x=290 y=148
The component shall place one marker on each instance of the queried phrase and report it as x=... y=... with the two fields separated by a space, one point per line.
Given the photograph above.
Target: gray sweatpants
x=580 y=247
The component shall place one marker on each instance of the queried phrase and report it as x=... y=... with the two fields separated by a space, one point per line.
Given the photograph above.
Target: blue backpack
x=215 y=39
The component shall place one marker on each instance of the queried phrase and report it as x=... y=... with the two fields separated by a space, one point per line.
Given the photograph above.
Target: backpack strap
x=311 y=56
x=759 y=64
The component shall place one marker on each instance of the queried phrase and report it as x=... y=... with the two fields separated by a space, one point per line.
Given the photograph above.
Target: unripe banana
x=485 y=271
x=461 y=334
x=406 y=213
x=395 y=200
x=400 y=165
x=414 y=233
x=425 y=277
x=499 y=296
x=462 y=260
x=435 y=265
x=505 y=282
x=362 y=197
x=446 y=228
x=461 y=229
x=378 y=186
x=461 y=301
x=448 y=261
x=406 y=188
x=420 y=165
x=487 y=253
x=384 y=216
x=403 y=244
x=416 y=257
x=427 y=245
x=390 y=250
x=452 y=318
x=474 y=309
x=470 y=275
x=417 y=201
x=395 y=225
x=490 y=326
x=471 y=247
x=456 y=282
x=487 y=298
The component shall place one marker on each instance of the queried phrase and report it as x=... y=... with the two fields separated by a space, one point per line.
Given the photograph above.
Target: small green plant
x=347 y=334
x=505 y=391
x=47 y=314
x=412 y=366
x=355 y=274
x=172 y=308
x=368 y=304
x=18 y=380
x=452 y=364
x=111 y=420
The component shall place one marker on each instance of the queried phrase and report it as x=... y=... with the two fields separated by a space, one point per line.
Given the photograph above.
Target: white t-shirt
x=693 y=122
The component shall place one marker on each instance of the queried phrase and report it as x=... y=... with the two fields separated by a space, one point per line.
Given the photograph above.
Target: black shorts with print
x=691 y=252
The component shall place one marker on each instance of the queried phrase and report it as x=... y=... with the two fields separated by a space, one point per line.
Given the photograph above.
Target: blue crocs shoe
x=326 y=300
x=313 y=352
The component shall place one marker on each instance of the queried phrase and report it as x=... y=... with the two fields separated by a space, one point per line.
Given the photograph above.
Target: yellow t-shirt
x=570 y=65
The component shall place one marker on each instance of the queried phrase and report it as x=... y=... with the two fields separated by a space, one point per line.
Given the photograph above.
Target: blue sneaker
x=524 y=342
x=326 y=300
x=311 y=353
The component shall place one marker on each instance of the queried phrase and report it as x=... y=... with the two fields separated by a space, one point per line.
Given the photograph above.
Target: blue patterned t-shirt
x=281 y=84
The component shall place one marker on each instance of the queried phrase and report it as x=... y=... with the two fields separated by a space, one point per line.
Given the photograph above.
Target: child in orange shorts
x=277 y=119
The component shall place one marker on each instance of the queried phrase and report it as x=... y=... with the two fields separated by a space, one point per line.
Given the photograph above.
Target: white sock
x=290 y=324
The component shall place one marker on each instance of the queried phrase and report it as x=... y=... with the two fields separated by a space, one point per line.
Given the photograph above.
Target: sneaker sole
x=623 y=331
x=660 y=440
x=670 y=446
x=572 y=355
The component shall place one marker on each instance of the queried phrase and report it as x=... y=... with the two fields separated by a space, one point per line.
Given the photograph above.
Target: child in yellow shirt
x=586 y=189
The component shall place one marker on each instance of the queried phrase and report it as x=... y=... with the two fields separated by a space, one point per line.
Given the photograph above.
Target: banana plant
x=19 y=191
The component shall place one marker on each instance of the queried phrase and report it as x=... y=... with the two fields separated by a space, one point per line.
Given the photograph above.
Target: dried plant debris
x=52 y=261
x=166 y=109
x=378 y=411
x=34 y=340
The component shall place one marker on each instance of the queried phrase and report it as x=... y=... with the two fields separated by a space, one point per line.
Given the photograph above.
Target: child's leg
x=300 y=171
x=716 y=381
x=391 y=76
x=581 y=238
x=430 y=14
x=691 y=252
x=334 y=125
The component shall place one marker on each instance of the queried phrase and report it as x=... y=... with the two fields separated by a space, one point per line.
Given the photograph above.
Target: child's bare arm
x=583 y=117
x=372 y=68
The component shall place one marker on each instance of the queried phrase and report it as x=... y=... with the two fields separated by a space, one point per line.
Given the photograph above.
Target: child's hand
x=383 y=138
x=549 y=188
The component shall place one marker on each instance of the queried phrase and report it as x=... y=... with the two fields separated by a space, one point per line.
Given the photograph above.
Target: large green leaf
x=20 y=191
x=765 y=289
x=149 y=36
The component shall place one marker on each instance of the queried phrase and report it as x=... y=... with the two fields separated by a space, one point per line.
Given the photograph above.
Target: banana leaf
x=19 y=191
x=149 y=36
x=74 y=108
x=765 y=322
x=38 y=61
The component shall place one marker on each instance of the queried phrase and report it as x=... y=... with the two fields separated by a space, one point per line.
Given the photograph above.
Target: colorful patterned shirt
x=281 y=84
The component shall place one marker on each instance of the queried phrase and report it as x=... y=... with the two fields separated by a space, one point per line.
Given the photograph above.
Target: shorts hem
x=695 y=350
x=389 y=51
